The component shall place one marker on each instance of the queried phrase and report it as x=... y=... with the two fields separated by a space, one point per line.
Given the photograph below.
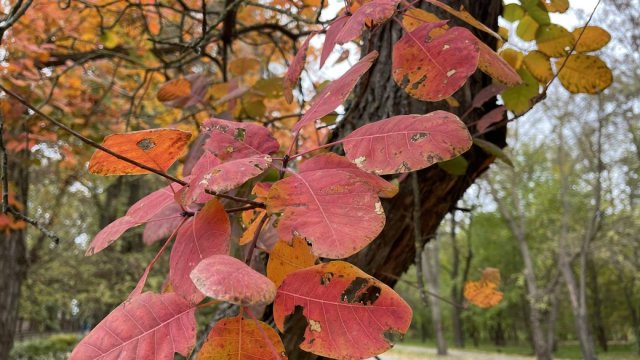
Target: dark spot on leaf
x=325 y=279
x=239 y=134
x=360 y=290
x=146 y=144
x=392 y=336
x=418 y=136
x=405 y=81
x=417 y=84
x=404 y=167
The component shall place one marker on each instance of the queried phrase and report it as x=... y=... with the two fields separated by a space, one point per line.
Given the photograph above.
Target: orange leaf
x=484 y=293
x=157 y=148
x=286 y=258
x=248 y=235
x=237 y=338
x=174 y=89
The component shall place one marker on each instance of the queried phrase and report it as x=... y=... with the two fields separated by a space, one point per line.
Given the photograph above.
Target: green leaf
x=493 y=149
x=456 y=166
x=537 y=11
x=518 y=98
x=513 y=12
x=527 y=28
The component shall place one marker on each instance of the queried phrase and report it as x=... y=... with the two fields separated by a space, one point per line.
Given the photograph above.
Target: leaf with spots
x=287 y=257
x=238 y=338
x=584 y=74
x=337 y=210
x=336 y=92
x=372 y=13
x=433 y=68
x=139 y=213
x=203 y=235
x=539 y=66
x=237 y=140
x=484 y=293
x=407 y=142
x=157 y=148
x=146 y=325
x=295 y=69
x=226 y=278
x=350 y=315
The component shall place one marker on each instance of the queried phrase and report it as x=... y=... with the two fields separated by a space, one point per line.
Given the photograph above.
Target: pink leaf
x=234 y=140
x=205 y=234
x=295 y=69
x=433 y=68
x=330 y=37
x=495 y=66
x=149 y=326
x=350 y=315
x=490 y=118
x=370 y=14
x=139 y=213
x=336 y=210
x=487 y=93
x=226 y=278
x=407 y=142
x=162 y=224
x=328 y=161
x=336 y=92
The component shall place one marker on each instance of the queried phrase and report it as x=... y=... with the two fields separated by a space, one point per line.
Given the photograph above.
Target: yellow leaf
x=558 y=6
x=415 y=17
x=484 y=293
x=593 y=38
x=513 y=57
x=527 y=28
x=539 y=66
x=248 y=235
x=286 y=258
x=584 y=74
x=242 y=66
x=554 y=40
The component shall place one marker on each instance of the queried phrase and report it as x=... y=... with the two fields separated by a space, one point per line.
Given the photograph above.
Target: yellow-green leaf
x=527 y=28
x=593 y=38
x=456 y=166
x=493 y=149
x=518 y=98
x=558 y=6
x=537 y=11
x=584 y=74
x=513 y=12
x=554 y=40
x=513 y=57
x=539 y=66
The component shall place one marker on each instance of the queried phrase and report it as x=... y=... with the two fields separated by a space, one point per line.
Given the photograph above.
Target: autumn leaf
x=584 y=74
x=174 y=89
x=234 y=140
x=407 y=142
x=295 y=69
x=286 y=258
x=433 y=68
x=336 y=210
x=238 y=338
x=495 y=66
x=135 y=327
x=350 y=315
x=484 y=293
x=330 y=37
x=539 y=66
x=252 y=229
x=157 y=148
x=226 y=278
x=203 y=235
x=593 y=38
x=372 y=13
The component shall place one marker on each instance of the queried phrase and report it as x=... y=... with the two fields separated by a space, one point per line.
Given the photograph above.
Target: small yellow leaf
x=539 y=66
x=554 y=40
x=593 y=38
x=286 y=258
x=513 y=57
x=558 y=6
x=584 y=74
x=484 y=293
x=415 y=17
x=248 y=235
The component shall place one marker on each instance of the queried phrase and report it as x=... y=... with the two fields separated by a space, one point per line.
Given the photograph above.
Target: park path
x=408 y=352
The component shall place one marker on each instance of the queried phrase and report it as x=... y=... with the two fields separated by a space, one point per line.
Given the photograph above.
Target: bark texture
x=377 y=97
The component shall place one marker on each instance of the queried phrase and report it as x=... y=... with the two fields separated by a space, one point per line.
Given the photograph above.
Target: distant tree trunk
x=632 y=306
x=457 y=283
x=377 y=97
x=596 y=301
x=13 y=258
x=552 y=321
x=431 y=266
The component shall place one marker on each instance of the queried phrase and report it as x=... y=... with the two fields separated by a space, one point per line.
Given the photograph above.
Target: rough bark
x=377 y=97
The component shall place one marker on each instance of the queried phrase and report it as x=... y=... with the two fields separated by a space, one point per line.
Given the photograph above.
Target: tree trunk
x=596 y=300
x=377 y=97
x=456 y=286
x=430 y=265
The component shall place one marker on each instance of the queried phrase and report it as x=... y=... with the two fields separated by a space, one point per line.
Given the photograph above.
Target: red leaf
x=234 y=140
x=350 y=315
x=407 y=142
x=139 y=213
x=490 y=118
x=239 y=339
x=370 y=14
x=162 y=224
x=495 y=66
x=156 y=148
x=184 y=92
x=295 y=69
x=204 y=235
x=326 y=161
x=228 y=279
x=336 y=210
x=487 y=93
x=149 y=326
x=336 y=92
x=432 y=69
x=330 y=37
